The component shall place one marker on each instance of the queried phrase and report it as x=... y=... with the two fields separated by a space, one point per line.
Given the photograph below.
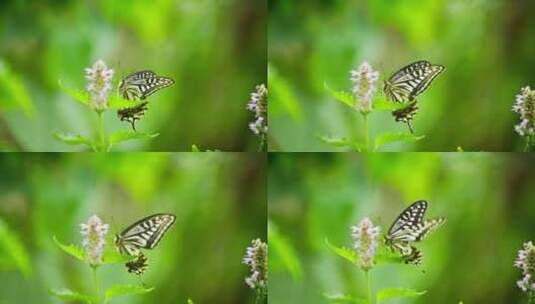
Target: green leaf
x=194 y=148
x=343 y=298
x=281 y=247
x=343 y=252
x=14 y=250
x=13 y=92
x=190 y=301
x=391 y=293
x=116 y=101
x=81 y=96
x=69 y=295
x=73 y=139
x=386 y=105
x=342 y=142
x=460 y=149
x=123 y=290
x=282 y=97
x=75 y=251
x=385 y=255
x=125 y=135
x=111 y=256
x=345 y=98
x=388 y=138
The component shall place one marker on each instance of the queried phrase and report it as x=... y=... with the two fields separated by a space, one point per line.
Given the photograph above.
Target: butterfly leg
x=410 y=126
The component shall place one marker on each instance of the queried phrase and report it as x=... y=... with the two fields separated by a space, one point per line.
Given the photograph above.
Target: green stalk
x=366 y=131
x=95 y=281
x=101 y=135
x=368 y=283
x=259 y=296
x=263 y=141
x=529 y=143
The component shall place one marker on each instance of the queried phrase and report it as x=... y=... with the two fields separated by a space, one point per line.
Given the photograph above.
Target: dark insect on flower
x=140 y=85
x=133 y=114
x=409 y=82
x=137 y=266
x=406 y=114
x=410 y=227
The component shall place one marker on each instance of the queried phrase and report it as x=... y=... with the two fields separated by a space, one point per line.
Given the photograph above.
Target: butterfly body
x=410 y=227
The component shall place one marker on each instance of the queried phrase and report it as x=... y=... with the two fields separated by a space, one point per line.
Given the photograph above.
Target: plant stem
x=101 y=136
x=369 y=286
x=263 y=142
x=259 y=296
x=366 y=131
x=529 y=143
x=95 y=281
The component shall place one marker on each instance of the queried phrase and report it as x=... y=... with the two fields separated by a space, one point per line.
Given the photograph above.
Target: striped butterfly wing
x=411 y=227
x=145 y=233
x=411 y=80
x=407 y=220
x=140 y=85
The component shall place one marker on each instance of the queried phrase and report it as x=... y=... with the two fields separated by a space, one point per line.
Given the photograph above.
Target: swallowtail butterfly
x=140 y=85
x=410 y=227
x=411 y=80
x=145 y=233
x=407 y=83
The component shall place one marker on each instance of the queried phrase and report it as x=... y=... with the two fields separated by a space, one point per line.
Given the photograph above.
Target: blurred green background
x=487 y=200
x=215 y=50
x=486 y=46
x=219 y=201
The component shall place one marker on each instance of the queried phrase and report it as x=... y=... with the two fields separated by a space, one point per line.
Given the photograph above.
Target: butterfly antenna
x=114 y=224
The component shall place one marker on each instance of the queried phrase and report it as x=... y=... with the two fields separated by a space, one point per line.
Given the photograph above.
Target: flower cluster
x=258 y=105
x=94 y=233
x=526 y=262
x=99 y=84
x=525 y=106
x=256 y=258
x=365 y=236
x=364 y=86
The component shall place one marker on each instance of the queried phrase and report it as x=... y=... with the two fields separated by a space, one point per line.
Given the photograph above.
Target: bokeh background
x=487 y=200
x=215 y=50
x=486 y=46
x=219 y=201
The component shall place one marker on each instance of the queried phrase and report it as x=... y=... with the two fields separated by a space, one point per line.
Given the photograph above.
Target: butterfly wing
x=411 y=80
x=145 y=233
x=427 y=227
x=141 y=84
x=427 y=77
x=155 y=84
x=411 y=217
